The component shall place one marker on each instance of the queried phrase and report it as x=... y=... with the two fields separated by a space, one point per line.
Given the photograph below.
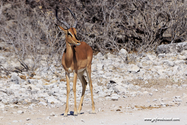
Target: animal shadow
x=72 y=113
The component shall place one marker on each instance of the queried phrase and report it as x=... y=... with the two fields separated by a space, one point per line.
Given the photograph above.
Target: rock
x=184 y=57
x=110 y=56
x=49 y=86
x=2 y=59
x=52 y=100
x=163 y=104
x=111 y=68
x=118 y=109
x=52 y=114
x=20 y=112
x=177 y=99
x=133 y=94
x=151 y=57
x=133 y=68
x=28 y=124
x=154 y=100
x=82 y=120
x=43 y=95
x=32 y=88
x=55 y=90
x=99 y=55
x=14 y=87
x=15 y=121
x=15 y=78
x=5 y=101
x=162 y=55
x=100 y=66
x=179 y=62
x=28 y=119
x=42 y=103
x=114 y=97
x=161 y=72
x=169 y=63
x=32 y=81
x=2 y=106
x=1 y=117
x=145 y=92
x=164 y=49
x=123 y=52
x=171 y=48
x=156 y=90
x=48 y=118
x=116 y=90
x=31 y=106
x=181 y=46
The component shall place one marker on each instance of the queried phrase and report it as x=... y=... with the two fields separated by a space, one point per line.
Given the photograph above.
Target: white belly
x=80 y=70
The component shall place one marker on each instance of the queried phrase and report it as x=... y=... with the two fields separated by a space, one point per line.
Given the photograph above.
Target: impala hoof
x=92 y=112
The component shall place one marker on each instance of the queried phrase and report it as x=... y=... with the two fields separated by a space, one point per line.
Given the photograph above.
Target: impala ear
x=74 y=30
x=61 y=28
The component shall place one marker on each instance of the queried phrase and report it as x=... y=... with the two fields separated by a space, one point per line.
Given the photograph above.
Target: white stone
x=28 y=119
x=178 y=62
x=123 y=52
x=15 y=121
x=20 y=112
x=2 y=59
x=182 y=57
x=133 y=68
x=2 y=106
x=151 y=57
x=52 y=114
x=15 y=86
x=114 y=97
x=1 y=117
x=15 y=78
x=42 y=103
x=100 y=66
x=52 y=100
x=82 y=120
x=169 y=63
x=32 y=81
x=98 y=55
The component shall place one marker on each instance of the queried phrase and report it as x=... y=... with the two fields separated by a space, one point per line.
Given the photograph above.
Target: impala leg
x=68 y=91
x=74 y=92
x=84 y=83
x=91 y=88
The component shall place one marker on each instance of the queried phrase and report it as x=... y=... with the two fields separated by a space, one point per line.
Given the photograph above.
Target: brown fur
x=77 y=58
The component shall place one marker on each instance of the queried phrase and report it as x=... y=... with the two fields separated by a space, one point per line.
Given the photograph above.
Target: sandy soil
x=125 y=111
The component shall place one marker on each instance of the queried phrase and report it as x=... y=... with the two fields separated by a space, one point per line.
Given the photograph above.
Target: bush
x=106 y=25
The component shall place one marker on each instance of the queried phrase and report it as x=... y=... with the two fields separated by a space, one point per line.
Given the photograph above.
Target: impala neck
x=69 y=55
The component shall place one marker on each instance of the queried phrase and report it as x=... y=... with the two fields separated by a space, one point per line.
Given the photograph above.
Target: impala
x=76 y=59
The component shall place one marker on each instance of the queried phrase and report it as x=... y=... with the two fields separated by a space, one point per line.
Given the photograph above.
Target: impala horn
x=75 y=24
x=65 y=23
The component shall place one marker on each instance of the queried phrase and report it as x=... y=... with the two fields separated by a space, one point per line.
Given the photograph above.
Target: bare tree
x=106 y=25
x=32 y=33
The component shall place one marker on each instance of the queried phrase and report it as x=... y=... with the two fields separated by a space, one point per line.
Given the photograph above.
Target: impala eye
x=69 y=34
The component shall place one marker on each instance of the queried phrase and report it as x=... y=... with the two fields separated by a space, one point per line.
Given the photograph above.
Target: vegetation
x=28 y=26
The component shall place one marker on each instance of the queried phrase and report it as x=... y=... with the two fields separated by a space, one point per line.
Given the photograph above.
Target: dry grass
x=157 y=83
x=147 y=107
x=23 y=77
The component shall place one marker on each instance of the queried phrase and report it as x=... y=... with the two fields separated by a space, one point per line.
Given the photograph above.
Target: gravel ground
x=127 y=89
x=125 y=111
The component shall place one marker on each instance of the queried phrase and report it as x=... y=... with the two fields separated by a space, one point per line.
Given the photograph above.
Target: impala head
x=70 y=32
